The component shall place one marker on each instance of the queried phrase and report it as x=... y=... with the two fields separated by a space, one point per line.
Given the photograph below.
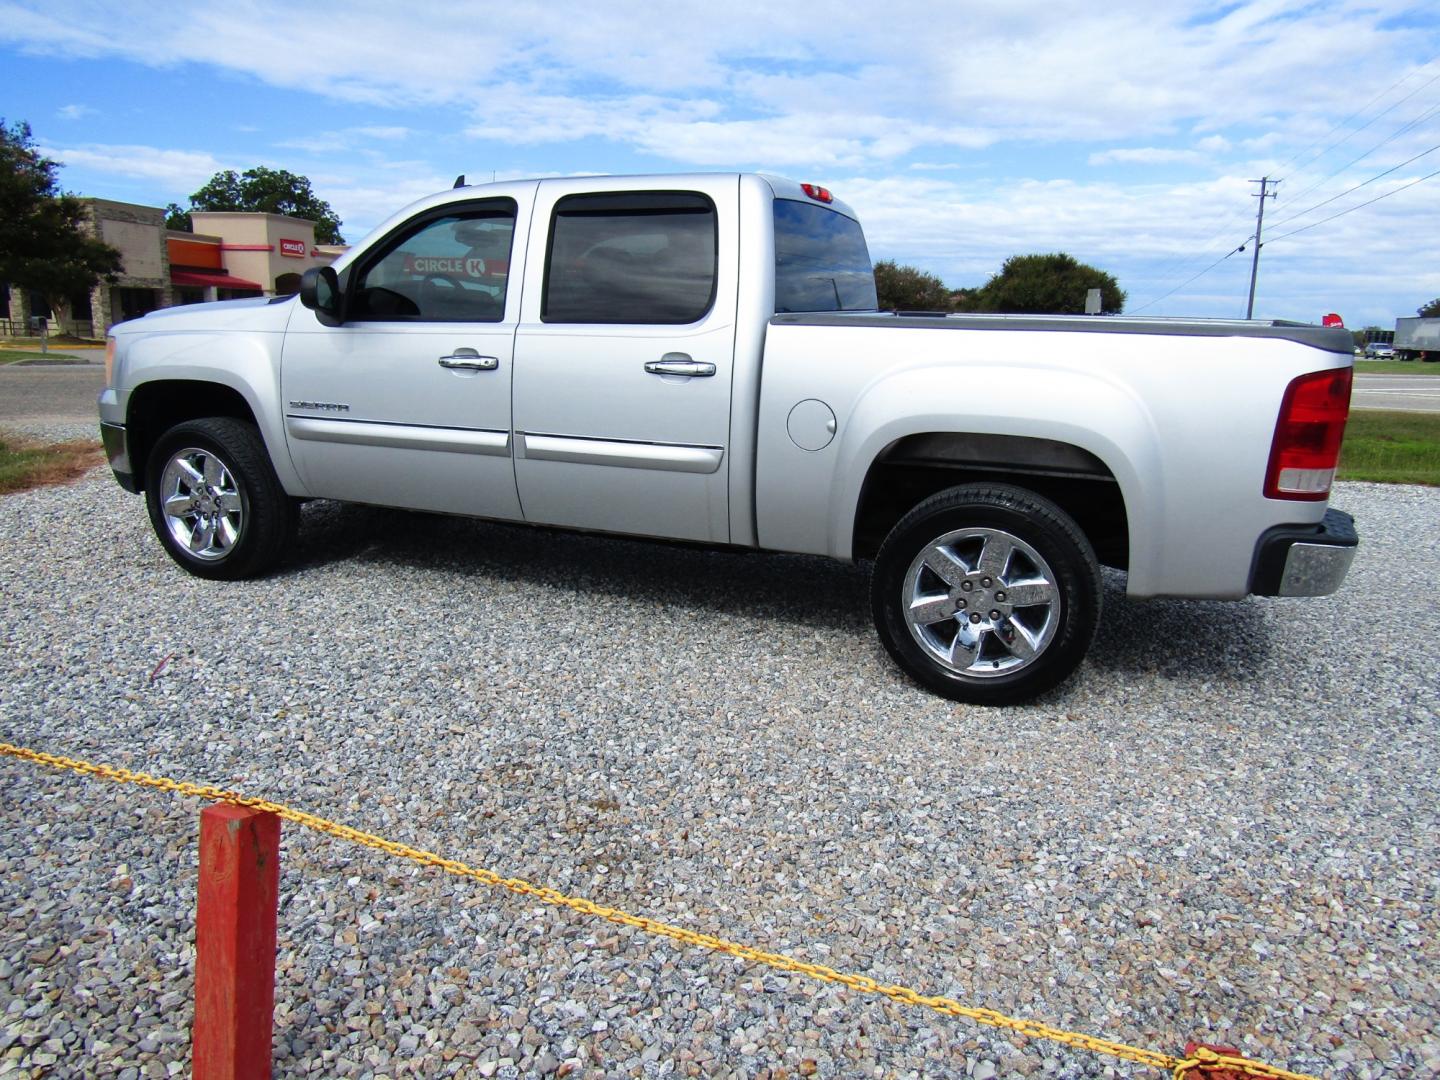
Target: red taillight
x=1308 y=435
x=818 y=193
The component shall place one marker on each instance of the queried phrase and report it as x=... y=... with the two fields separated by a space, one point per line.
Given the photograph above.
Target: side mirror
x=320 y=292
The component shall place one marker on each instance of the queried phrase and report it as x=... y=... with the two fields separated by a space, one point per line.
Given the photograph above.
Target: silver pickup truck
x=700 y=358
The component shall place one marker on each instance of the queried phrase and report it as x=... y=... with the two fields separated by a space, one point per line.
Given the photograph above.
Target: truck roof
x=782 y=186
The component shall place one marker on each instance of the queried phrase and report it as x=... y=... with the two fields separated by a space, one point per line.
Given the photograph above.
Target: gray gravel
x=1224 y=827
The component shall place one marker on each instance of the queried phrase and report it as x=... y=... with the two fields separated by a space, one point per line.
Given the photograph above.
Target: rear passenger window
x=632 y=257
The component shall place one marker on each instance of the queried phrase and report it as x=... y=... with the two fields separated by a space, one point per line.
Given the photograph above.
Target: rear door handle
x=469 y=360
x=680 y=365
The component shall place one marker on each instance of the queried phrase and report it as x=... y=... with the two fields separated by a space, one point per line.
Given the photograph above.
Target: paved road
x=1409 y=393
x=44 y=393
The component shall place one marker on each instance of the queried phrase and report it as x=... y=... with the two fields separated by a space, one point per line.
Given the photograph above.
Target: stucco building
x=229 y=255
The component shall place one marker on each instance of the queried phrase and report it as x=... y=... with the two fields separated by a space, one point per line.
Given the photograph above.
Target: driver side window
x=448 y=268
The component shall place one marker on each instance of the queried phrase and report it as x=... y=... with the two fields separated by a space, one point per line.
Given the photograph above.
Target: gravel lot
x=1225 y=827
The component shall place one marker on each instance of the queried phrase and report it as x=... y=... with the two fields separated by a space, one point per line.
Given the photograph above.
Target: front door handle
x=469 y=360
x=680 y=364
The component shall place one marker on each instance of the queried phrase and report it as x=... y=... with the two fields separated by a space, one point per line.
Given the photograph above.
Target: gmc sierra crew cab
x=700 y=358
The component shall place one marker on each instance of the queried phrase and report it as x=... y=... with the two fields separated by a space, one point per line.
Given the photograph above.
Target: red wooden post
x=239 y=893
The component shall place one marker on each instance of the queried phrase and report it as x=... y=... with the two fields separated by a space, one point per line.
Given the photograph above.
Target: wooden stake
x=239 y=894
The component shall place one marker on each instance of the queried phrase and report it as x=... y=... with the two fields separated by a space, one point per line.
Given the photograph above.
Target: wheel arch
x=1077 y=439
x=155 y=407
x=914 y=467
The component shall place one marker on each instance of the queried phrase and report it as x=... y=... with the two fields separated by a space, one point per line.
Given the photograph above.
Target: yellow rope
x=1179 y=1067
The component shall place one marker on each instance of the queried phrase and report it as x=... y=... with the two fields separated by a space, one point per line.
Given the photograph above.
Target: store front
x=230 y=256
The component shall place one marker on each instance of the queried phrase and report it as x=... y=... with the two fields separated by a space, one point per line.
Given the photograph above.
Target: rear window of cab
x=821 y=261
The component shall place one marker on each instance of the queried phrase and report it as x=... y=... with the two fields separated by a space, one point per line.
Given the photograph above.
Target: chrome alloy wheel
x=201 y=503
x=981 y=602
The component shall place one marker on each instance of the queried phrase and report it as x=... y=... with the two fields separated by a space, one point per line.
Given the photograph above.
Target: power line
x=1357 y=187
x=1377 y=116
x=1176 y=264
x=1357 y=206
x=1339 y=124
x=1389 y=138
x=1187 y=281
x=1282 y=236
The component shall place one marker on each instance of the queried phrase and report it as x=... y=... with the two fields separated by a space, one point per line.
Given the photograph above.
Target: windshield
x=821 y=262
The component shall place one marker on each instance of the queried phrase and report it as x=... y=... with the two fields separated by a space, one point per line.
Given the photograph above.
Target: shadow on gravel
x=1170 y=637
x=1212 y=639
x=802 y=590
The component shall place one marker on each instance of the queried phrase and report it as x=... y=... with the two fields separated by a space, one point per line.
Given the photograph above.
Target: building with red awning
x=229 y=256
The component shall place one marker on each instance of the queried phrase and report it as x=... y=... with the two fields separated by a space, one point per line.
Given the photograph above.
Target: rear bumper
x=117 y=450
x=1305 y=560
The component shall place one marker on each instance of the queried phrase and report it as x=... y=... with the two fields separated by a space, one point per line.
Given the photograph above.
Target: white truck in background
x=1417 y=339
x=700 y=358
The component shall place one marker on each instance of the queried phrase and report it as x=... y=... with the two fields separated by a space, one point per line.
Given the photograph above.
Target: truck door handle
x=679 y=365
x=469 y=361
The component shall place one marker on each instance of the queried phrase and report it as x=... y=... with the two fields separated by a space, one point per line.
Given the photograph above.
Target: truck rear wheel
x=215 y=502
x=986 y=593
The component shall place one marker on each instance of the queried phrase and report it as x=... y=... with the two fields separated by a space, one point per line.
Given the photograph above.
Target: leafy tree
x=904 y=288
x=178 y=218
x=1049 y=285
x=45 y=242
x=1361 y=337
x=262 y=190
x=966 y=300
x=1430 y=310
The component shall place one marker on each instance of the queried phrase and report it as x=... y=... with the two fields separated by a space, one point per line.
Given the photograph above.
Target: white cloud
x=181 y=170
x=348 y=139
x=1118 y=73
x=388 y=134
x=939 y=120
x=74 y=112
x=1154 y=237
x=1147 y=155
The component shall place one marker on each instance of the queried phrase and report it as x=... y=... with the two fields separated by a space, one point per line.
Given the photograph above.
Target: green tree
x=46 y=244
x=262 y=190
x=905 y=288
x=1430 y=310
x=966 y=300
x=1049 y=285
x=1361 y=337
x=177 y=218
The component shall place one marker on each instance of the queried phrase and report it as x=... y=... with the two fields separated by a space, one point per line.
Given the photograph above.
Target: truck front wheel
x=214 y=499
x=986 y=593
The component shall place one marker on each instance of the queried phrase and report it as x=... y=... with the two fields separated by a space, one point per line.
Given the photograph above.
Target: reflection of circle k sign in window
x=452 y=266
x=295 y=249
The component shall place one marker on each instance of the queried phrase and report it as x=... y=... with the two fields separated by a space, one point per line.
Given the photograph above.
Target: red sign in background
x=295 y=249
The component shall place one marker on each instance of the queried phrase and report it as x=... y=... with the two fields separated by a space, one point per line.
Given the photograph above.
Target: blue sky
x=962 y=134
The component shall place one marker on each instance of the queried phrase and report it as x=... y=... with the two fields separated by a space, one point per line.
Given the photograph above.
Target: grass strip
x=25 y=464
x=1396 y=367
x=1391 y=447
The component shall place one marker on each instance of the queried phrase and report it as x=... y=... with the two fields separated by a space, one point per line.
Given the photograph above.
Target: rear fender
x=1088 y=412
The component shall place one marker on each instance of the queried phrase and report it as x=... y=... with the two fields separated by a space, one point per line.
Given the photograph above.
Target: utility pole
x=1264 y=194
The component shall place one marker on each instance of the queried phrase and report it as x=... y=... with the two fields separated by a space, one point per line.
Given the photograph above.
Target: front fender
x=247 y=363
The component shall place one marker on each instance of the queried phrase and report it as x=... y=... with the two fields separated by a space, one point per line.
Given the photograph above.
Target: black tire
x=250 y=519
x=1011 y=651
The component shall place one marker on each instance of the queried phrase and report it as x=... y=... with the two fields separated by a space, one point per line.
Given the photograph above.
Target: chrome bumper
x=1305 y=560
